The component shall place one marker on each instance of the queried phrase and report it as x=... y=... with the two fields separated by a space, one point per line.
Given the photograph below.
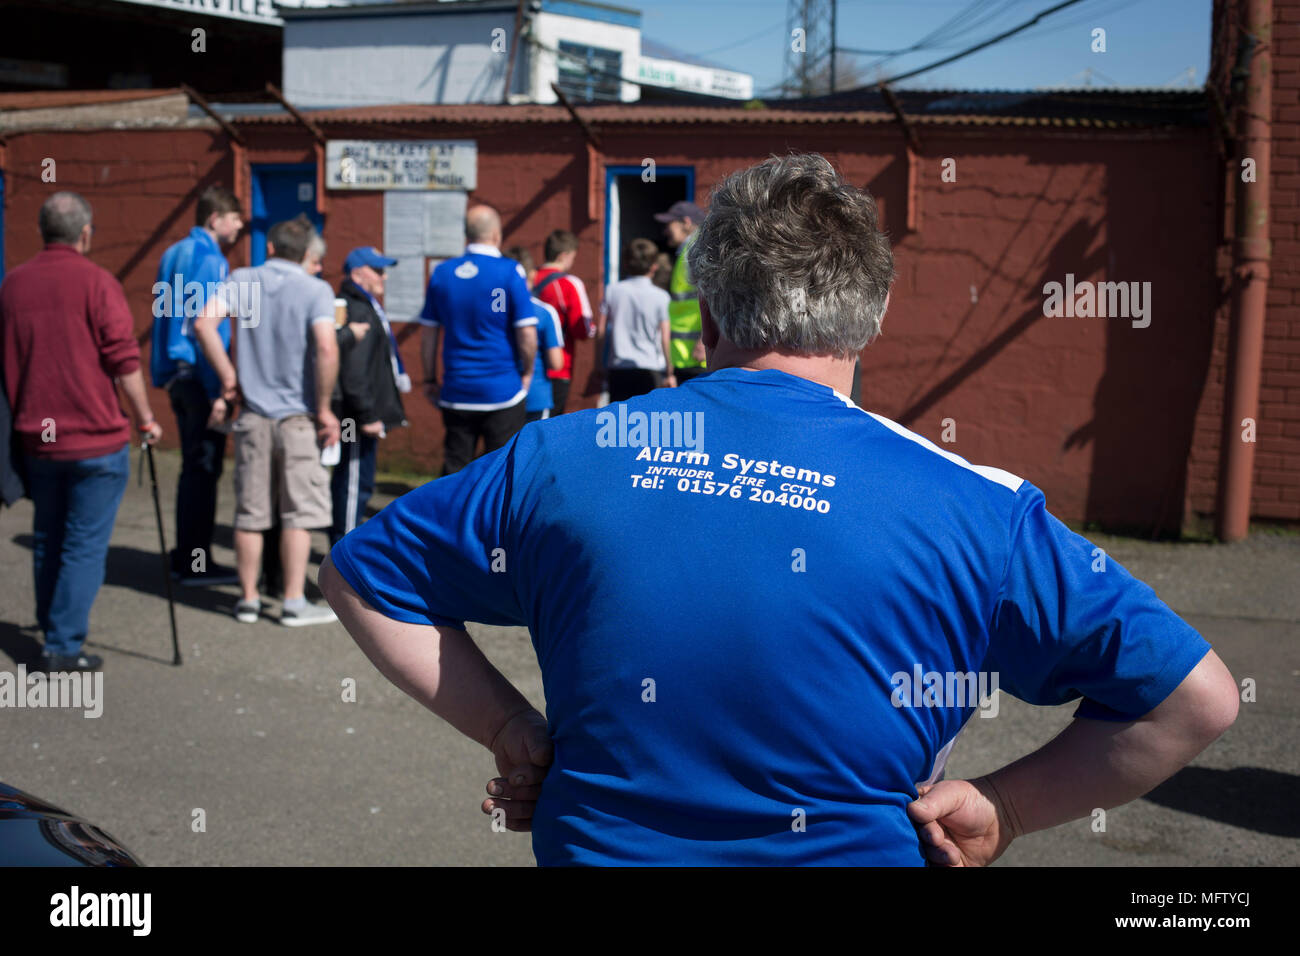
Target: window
x=590 y=73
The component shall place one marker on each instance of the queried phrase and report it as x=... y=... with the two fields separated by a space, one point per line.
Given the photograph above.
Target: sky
x=1149 y=43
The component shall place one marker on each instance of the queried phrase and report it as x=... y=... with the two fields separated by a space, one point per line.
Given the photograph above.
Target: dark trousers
x=76 y=504
x=559 y=394
x=464 y=429
x=624 y=383
x=352 y=484
x=690 y=372
x=202 y=452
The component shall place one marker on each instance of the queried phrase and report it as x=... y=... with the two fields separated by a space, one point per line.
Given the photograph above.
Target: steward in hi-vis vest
x=682 y=226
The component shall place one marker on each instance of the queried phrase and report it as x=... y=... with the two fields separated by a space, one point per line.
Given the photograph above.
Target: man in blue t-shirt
x=478 y=306
x=190 y=273
x=784 y=684
x=550 y=343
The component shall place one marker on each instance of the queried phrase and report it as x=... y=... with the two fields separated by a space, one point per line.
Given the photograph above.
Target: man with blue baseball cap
x=367 y=399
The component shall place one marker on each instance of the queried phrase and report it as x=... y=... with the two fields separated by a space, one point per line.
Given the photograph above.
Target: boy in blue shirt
x=550 y=343
x=190 y=272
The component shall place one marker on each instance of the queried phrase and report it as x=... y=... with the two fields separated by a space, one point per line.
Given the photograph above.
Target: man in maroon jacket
x=66 y=335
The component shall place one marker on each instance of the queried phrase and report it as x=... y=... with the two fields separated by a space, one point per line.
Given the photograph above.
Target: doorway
x=280 y=191
x=630 y=207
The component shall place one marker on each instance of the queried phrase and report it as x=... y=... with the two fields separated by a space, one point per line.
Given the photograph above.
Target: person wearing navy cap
x=367 y=399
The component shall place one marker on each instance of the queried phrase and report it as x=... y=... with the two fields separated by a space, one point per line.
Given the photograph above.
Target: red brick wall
x=1276 y=488
x=1097 y=413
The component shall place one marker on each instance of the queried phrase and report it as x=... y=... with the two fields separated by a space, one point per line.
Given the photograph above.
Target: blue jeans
x=76 y=505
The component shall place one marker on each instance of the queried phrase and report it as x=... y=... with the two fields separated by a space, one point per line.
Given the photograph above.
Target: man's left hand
x=523 y=752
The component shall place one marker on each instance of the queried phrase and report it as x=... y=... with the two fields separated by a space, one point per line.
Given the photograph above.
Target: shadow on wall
x=1149 y=237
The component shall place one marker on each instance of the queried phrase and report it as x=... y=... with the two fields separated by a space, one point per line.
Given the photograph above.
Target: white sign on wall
x=401 y=164
x=697 y=79
x=417 y=227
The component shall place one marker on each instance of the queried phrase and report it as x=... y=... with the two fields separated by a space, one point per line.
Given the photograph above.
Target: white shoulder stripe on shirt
x=1004 y=478
x=582 y=294
x=554 y=316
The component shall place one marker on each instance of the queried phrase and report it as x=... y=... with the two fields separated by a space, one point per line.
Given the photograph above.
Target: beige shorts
x=278 y=470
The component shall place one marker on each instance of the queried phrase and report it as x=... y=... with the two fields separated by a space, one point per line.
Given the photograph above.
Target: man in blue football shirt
x=190 y=272
x=479 y=307
x=783 y=685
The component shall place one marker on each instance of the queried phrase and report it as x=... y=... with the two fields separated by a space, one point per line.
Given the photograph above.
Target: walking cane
x=146 y=451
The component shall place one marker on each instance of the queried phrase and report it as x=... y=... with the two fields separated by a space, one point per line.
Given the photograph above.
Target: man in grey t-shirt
x=635 y=312
x=287 y=364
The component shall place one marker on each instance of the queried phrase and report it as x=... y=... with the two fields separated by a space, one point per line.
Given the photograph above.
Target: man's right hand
x=374 y=429
x=523 y=751
x=327 y=428
x=150 y=433
x=961 y=822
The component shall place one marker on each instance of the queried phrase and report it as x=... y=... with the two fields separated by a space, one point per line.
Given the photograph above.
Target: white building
x=459 y=51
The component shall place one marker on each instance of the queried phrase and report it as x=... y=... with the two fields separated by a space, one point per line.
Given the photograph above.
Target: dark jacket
x=367 y=390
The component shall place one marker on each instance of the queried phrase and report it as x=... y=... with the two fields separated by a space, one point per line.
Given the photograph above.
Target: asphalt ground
x=254 y=730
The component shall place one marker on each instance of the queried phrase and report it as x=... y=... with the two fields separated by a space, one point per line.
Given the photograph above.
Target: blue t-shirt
x=736 y=694
x=188 y=275
x=549 y=336
x=479 y=299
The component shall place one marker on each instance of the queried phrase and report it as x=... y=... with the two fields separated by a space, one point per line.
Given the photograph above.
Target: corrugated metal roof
x=1079 y=109
x=53 y=99
x=1019 y=109
x=607 y=114
x=1087 y=107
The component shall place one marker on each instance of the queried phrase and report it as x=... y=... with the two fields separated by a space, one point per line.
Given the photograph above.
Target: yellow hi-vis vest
x=684 y=310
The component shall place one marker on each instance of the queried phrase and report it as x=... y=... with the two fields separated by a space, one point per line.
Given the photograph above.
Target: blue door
x=280 y=192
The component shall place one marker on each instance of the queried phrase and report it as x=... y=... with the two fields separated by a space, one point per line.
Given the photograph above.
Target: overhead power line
x=979 y=46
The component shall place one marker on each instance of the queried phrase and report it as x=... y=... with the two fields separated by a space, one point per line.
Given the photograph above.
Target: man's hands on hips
x=523 y=753
x=962 y=822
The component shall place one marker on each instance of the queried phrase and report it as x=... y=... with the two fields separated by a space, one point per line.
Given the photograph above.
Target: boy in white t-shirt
x=637 y=356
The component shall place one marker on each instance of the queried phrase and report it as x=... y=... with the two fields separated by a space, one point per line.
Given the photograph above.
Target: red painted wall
x=1101 y=415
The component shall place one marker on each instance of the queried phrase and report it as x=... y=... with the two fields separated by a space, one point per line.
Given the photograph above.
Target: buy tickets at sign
x=401 y=164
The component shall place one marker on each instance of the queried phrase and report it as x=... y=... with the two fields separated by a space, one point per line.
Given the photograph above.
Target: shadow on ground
x=1253 y=798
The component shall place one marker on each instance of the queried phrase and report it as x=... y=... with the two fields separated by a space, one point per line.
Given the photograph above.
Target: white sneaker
x=308 y=614
x=246 y=612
